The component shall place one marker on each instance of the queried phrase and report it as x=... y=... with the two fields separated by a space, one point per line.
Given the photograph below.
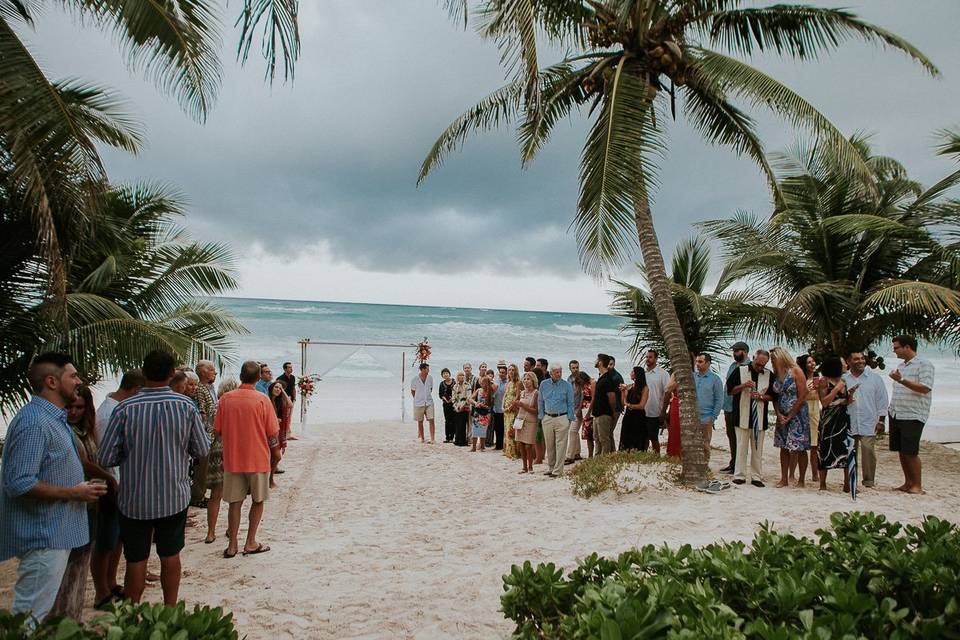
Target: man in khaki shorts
x=248 y=427
x=422 y=391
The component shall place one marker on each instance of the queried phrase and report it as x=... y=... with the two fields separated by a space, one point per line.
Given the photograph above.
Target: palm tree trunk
x=691 y=434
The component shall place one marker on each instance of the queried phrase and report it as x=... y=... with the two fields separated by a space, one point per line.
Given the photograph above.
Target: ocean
x=364 y=384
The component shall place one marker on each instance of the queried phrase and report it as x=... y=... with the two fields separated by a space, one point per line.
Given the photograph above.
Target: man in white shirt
x=657 y=380
x=107 y=549
x=422 y=391
x=866 y=412
x=909 y=409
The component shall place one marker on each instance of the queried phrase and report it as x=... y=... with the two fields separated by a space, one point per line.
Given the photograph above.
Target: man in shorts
x=154 y=472
x=248 y=428
x=422 y=391
x=909 y=409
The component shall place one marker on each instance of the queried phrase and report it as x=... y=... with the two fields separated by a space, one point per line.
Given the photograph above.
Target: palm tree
x=49 y=130
x=849 y=263
x=630 y=63
x=133 y=288
x=711 y=322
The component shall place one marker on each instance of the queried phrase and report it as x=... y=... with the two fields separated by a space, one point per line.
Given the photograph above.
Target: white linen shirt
x=657 y=380
x=869 y=402
x=422 y=391
x=907 y=404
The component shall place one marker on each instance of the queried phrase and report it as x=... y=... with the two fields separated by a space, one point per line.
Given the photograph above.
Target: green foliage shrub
x=128 y=621
x=864 y=578
x=595 y=475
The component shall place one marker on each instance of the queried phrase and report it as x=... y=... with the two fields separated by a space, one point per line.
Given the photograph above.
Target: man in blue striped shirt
x=152 y=438
x=42 y=492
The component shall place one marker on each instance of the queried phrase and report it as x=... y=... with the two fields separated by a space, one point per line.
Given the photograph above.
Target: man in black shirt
x=289 y=381
x=605 y=407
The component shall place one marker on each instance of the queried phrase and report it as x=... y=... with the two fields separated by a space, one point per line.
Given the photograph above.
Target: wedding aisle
x=374 y=535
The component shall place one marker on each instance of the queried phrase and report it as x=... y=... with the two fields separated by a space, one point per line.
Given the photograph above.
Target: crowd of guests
x=82 y=486
x=825 y=413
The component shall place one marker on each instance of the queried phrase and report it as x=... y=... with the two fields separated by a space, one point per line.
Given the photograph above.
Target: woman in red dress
x=673 y=426
x=284 y=407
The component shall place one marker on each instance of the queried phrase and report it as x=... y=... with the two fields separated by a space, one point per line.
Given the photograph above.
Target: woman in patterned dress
x=833 y=451
x=482 y=401
x=215 y=467
x=792 y=433
x=584 y=385
x=461 y=405
x=511 y=396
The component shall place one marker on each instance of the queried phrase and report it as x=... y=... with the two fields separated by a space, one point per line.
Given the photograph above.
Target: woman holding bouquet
x=482 y=400
x=461 y=407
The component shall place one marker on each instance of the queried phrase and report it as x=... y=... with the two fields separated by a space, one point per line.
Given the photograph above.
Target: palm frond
x=801 y=31
x=616 y=167
x=280 y=34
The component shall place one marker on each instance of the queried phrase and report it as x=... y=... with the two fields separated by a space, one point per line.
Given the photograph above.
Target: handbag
x=517 y=423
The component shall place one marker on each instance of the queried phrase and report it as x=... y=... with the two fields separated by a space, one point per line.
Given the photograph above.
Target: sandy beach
x=375 y=535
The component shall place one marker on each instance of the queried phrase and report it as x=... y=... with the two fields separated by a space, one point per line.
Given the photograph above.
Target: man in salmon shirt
x=248 y=427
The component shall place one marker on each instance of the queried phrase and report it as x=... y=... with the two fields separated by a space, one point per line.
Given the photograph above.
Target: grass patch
x=608 y=472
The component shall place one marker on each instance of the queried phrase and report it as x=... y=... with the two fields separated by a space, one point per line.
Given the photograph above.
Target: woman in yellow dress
x=809 y=366
x=510 y=397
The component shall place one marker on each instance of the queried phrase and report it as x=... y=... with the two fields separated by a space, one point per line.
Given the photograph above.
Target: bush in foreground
x=609 y=472
x=128 y=621
x=865 y=578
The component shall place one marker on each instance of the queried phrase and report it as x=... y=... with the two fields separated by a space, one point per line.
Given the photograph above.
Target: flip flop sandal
x=260 y=549
x=227 y=554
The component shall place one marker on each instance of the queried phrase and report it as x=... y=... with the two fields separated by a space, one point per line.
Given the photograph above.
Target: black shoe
x=550 y=474
x=757 y=483
x=726 y=470
x=739 y=481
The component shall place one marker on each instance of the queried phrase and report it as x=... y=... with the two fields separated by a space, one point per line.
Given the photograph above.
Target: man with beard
x=740 y=350
x=43 y=514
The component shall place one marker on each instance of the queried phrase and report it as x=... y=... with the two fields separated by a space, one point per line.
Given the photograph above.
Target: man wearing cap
x=740 y=351
x=501 y=388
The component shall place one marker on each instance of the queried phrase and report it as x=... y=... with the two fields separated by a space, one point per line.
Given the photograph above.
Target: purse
x=517 y=423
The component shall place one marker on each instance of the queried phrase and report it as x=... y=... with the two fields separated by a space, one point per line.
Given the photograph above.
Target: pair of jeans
x=39 y=575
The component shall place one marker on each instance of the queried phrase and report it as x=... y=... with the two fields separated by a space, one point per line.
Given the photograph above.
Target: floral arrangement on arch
x=423 y=352
x=305 y=385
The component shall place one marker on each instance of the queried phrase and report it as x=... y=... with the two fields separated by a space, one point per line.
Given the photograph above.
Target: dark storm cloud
x=334 y=158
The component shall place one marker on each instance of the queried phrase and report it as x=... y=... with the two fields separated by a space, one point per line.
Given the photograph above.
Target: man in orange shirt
x=248 y=427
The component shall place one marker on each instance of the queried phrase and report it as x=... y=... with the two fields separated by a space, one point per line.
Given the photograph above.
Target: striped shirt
x=907 y=404
x=152 y=437
x=40 y=448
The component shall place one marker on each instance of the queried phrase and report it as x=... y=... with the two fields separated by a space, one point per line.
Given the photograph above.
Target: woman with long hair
x=511 y=397
x=82 y=418
x=461 y=405
x=792 y=433
x=633 y=430
x=482 y=402
x=282 y=406
x=528 y=409
x=585 y=385
x=809 y=364
x=833 y=451
x=215 y=468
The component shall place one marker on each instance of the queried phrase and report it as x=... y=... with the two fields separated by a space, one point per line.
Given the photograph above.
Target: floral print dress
x=795 y=435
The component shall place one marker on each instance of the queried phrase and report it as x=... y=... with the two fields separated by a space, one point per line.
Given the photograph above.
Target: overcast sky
x=314 y=183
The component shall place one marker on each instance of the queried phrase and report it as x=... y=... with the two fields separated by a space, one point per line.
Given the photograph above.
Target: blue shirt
x=710 y=394
x=869 y=402
x=263 y=387
x=498 y=395
x=40 y=447
x=152 y=438
x=556 y=397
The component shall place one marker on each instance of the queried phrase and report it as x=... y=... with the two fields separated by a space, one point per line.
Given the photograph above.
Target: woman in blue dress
x=792 y=433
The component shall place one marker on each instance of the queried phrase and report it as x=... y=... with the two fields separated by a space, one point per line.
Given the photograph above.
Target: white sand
x=375 y=535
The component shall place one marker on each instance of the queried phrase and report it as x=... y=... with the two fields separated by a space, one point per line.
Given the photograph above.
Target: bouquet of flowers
x=305 y=385
x=423 y=352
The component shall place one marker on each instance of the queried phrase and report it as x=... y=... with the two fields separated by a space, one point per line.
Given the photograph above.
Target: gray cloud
x=334 y=157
